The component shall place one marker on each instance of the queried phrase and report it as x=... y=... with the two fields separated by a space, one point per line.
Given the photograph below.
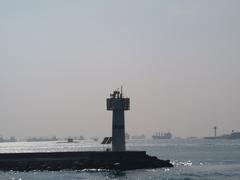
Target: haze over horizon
x=178 y=61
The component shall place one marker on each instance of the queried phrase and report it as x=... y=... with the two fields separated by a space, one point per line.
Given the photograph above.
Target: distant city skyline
x=178 y=61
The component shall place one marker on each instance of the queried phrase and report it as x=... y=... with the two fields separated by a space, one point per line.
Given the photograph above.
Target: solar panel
x=104 y=140
x=107 y=140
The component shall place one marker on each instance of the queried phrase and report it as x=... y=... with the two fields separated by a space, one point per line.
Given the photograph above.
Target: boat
x=159 y=135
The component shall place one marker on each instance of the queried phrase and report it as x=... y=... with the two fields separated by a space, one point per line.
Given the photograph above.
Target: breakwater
x=55 y=161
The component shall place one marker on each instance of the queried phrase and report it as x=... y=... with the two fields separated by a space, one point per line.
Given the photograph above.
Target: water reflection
x=116 y=174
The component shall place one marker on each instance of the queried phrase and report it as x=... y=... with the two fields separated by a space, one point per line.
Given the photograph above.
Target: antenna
x=121 y=95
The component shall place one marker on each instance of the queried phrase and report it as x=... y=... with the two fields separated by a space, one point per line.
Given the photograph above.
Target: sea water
x=192 y=158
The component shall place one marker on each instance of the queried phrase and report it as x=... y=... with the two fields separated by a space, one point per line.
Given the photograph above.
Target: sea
x=193 y=159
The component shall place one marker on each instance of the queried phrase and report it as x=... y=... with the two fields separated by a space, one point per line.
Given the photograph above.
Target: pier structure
x=118 y=104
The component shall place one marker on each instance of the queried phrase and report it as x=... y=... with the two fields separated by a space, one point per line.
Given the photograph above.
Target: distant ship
x=142 y=136
x=159 y=135
x=127 y=136
x=38 y=139
x=233 y=135
x=95 y=138
x=11 y=139
x=70 y=140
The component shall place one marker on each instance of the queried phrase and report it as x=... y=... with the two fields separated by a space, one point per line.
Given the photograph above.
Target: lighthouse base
x=55 y=161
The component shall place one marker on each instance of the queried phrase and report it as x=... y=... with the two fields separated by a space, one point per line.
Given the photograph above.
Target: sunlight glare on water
x=193 y=159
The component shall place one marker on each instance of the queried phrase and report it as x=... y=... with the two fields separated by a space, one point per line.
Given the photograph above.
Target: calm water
x=193 y=159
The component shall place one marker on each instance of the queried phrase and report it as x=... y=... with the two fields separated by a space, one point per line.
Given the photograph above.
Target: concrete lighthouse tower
x=118 y=104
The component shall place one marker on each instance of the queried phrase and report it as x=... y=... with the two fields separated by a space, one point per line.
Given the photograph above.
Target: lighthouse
x=118 y=104
x=215 y=131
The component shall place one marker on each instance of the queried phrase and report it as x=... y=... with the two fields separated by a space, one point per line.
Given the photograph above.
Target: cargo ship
x=159 y=135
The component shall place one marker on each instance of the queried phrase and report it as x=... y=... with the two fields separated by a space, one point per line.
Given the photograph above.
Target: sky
x=178 y=61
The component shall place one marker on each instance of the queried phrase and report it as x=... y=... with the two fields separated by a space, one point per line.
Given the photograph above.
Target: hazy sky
x=179 y=62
